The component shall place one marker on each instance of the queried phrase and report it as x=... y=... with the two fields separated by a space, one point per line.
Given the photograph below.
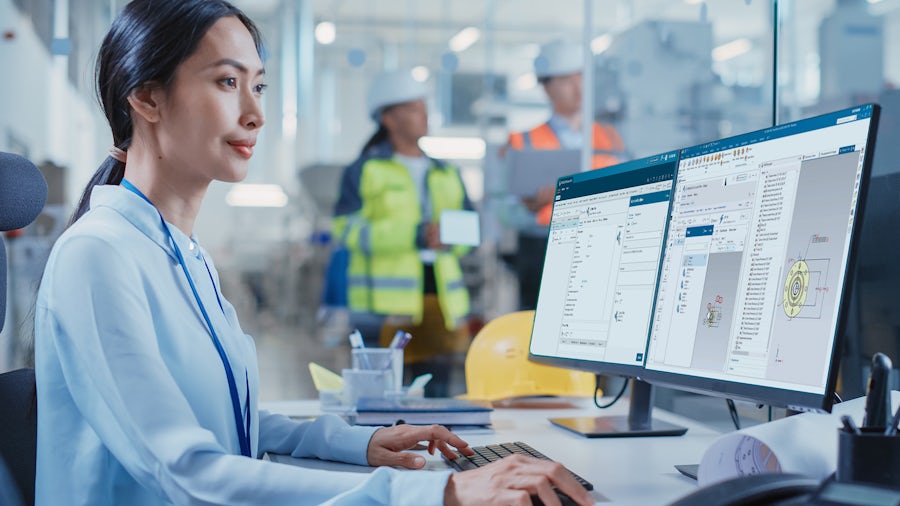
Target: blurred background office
x=664 y=73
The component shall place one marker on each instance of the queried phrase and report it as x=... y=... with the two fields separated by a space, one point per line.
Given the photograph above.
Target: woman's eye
x=229 y=82
x=260 y=88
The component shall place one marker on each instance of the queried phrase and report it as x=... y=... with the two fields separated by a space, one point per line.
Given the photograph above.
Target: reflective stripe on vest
x=380 y=283
x=455 y=285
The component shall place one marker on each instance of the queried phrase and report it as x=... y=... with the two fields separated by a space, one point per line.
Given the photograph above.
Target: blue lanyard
x=242 y=430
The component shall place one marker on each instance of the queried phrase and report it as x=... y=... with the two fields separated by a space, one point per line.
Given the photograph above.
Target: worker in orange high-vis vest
x=558 y=69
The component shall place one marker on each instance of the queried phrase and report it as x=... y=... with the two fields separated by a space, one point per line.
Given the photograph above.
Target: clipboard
x=460 y=227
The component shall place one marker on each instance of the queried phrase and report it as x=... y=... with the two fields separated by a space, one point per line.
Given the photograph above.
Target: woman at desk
x=147 y=387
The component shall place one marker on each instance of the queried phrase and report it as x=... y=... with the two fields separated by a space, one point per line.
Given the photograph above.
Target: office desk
x=632 y=471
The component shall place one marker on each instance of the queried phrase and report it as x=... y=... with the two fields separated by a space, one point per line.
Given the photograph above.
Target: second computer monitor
x=598 y=282
x=601 y=264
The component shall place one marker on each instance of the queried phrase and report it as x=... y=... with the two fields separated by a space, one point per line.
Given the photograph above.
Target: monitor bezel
x=593 y=366
x=782 y=397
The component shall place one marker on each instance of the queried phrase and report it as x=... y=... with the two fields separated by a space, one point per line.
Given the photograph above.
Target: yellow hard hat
x=497 y=365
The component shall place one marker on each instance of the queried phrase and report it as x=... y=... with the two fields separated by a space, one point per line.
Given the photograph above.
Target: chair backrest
x=23 y=192
x=18 y=429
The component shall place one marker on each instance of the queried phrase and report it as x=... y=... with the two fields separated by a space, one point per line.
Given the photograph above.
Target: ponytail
x=378 y=137
x=111 y=171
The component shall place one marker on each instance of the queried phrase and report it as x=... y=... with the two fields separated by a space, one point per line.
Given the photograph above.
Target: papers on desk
x=415 y=411
x=805 y=444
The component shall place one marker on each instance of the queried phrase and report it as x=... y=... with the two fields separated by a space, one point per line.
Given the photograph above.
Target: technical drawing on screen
x=756 y=258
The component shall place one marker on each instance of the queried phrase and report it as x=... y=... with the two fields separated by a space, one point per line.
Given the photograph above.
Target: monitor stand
x=638 y=422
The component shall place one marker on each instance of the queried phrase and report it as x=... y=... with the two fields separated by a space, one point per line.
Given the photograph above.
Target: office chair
x=23 y=192
x=18 y=430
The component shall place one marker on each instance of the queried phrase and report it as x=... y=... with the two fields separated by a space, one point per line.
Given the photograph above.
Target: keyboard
x=484 y=455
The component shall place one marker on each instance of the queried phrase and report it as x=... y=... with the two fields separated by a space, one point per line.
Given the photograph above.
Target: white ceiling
x=420 y=29
x=517 y=21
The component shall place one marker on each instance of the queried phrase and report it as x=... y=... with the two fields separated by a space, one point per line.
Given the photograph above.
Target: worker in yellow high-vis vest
x=400 y=276
x=558 y=69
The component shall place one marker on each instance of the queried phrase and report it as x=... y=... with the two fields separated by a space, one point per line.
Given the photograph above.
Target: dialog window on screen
x=601 y=264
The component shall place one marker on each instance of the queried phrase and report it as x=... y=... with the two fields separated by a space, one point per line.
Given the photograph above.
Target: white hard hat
x=392 y=88
x=558 y=58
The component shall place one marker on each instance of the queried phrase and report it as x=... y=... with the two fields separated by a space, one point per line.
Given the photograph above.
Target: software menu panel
x=602 y=260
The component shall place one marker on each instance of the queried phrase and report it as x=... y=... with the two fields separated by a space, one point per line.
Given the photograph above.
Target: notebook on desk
x=418 y=411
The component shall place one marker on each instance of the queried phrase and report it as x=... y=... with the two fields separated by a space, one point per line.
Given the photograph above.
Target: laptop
x=532 y=169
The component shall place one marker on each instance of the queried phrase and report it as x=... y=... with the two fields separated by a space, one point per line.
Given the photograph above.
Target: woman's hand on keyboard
x=386 y=448
x=513 y=480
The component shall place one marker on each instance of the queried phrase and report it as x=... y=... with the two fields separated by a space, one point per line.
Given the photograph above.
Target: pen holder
x=869 y=457
x=364 y=383
x=386 y=360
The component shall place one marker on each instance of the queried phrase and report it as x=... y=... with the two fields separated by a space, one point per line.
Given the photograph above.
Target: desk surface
x=637 y=471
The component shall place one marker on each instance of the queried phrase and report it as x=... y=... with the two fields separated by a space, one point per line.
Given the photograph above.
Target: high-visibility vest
x=385 y=274
x=608 y=150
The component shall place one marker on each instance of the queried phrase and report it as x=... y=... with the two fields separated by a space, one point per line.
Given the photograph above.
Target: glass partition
x=664 y=73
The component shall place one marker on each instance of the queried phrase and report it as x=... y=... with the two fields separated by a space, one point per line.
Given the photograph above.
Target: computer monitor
x=760 y=246
x=597 y=287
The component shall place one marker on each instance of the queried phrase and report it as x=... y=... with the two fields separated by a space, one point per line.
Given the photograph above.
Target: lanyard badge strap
x=242 y=430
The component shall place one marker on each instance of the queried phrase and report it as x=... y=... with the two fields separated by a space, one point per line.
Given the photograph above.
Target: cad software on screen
x=756 y=253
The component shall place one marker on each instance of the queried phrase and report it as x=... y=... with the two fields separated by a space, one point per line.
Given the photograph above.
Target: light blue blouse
x=133 y=403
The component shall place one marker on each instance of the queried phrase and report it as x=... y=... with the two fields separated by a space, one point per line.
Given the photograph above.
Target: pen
x=404 y=340
x=878 y=400
x=356 y=341
x=850 y=426
x=396 y=340
x=892 y=428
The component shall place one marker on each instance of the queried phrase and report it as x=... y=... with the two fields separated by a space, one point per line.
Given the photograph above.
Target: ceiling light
x=731 y=49
x=526 y=81
x=325 y=32
x=256 y=195
x=421 y=73
x=464 y=39
x=453 y=148
x=601 y=43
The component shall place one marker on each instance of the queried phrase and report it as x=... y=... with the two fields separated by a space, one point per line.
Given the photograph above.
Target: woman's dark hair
x=380 y=135
x=377 y=138
x=145 y=44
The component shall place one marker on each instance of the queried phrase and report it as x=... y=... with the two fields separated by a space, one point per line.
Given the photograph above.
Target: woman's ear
x=144 y=101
